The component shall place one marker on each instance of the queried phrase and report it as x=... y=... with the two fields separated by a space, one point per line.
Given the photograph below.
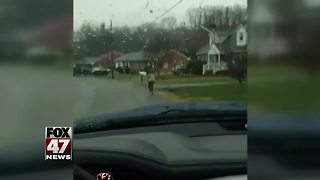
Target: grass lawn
x=296 y=92
x=173 y=79
x=270 y=88
x=225 y=92
x=192 y=79
x=220 y=92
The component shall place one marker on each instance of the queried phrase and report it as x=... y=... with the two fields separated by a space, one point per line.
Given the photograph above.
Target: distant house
x=107 y=59
x=57 y=34
x=134 y=60
x=224 y=45
x=88 y=62
x=171 y=61
x=16 y=42
x=53 y=39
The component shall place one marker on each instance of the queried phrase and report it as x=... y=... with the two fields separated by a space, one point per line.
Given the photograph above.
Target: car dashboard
x=185 y=151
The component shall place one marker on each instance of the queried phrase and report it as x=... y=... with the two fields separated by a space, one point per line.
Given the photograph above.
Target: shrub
x=120 y=70
x=195 y=67
x=223 y=73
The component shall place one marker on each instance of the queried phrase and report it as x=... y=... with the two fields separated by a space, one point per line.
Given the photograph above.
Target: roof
x=221 y=39
x=88 y=60
x=225 y=41
x=204 y=49
x=240 y=48
x=134 y=56
x=174 y=54
x=222 y=48
x=107 y=59
x=225 y=31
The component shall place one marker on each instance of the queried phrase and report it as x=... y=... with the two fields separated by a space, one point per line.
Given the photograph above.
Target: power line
x=167 y=11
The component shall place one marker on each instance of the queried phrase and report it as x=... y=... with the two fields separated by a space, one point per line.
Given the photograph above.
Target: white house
x=224 y=45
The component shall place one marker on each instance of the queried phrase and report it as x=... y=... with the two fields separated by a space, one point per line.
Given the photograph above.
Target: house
x=57 y=34
x=134 y=60
x=16 y=42
x=88 y=62
x=224 y=46
x=172 y=61
x=107 y=59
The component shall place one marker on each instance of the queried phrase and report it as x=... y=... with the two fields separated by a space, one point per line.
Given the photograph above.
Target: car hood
x=161 y=108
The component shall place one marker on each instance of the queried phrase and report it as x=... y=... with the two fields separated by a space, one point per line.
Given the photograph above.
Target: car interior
x=197 y=151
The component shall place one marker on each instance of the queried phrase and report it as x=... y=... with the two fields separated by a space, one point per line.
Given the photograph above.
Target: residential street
x=38 y=97
x=102 y=94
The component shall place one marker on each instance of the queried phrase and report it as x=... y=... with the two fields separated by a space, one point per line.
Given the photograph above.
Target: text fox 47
x=58 y=143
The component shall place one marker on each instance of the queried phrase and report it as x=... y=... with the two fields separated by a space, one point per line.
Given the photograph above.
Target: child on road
x=151 y=81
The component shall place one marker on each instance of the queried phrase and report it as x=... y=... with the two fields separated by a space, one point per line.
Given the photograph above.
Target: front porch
x=214 y=64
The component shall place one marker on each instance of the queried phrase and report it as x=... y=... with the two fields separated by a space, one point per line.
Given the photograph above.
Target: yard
x=173 y=79
x=282 y=89
x=193 y=88
x=218 y=92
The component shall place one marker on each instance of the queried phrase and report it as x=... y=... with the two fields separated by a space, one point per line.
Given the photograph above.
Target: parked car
x=181 y=69
x=81 y=69
x=100 y=71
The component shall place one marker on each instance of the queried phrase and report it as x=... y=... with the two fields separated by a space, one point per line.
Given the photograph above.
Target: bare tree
x=216 y=15
x=168 y=22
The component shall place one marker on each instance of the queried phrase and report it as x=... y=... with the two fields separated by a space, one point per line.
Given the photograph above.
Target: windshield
x=159 y=52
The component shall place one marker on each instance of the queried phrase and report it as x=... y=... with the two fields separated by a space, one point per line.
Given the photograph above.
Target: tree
x=195 y=67
x=238 y=67
x=91 y=40
x=216 y=15
x=193 y=15
x=57 y=35
x=168 y=22
x=156 y=38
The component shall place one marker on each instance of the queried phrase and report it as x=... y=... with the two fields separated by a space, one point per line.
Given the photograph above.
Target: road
x=102 y=94
x=35 y=97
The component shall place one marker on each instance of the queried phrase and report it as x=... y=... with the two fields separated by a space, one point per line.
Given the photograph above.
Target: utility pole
x=112 y=60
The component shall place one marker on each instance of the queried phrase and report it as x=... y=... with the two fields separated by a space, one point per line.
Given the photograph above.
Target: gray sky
x=135 y=12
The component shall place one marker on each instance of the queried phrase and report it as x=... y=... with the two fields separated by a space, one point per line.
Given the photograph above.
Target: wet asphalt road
x=102 y=94
x=32 y=98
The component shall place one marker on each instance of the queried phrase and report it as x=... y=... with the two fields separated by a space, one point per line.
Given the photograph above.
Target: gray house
x=223 y=46
x=88 y=63
x=134 y=60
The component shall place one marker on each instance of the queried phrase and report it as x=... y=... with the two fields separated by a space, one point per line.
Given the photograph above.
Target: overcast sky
x=135 y=12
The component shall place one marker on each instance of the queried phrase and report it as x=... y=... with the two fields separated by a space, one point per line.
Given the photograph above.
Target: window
x=241 y=36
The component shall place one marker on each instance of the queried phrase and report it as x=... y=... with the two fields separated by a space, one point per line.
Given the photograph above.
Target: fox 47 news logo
x=58 y=143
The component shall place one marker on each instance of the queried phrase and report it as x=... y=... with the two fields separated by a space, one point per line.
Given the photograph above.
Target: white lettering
x=58 y=157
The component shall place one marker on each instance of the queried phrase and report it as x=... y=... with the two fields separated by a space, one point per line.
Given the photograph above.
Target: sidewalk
x=191 y=85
